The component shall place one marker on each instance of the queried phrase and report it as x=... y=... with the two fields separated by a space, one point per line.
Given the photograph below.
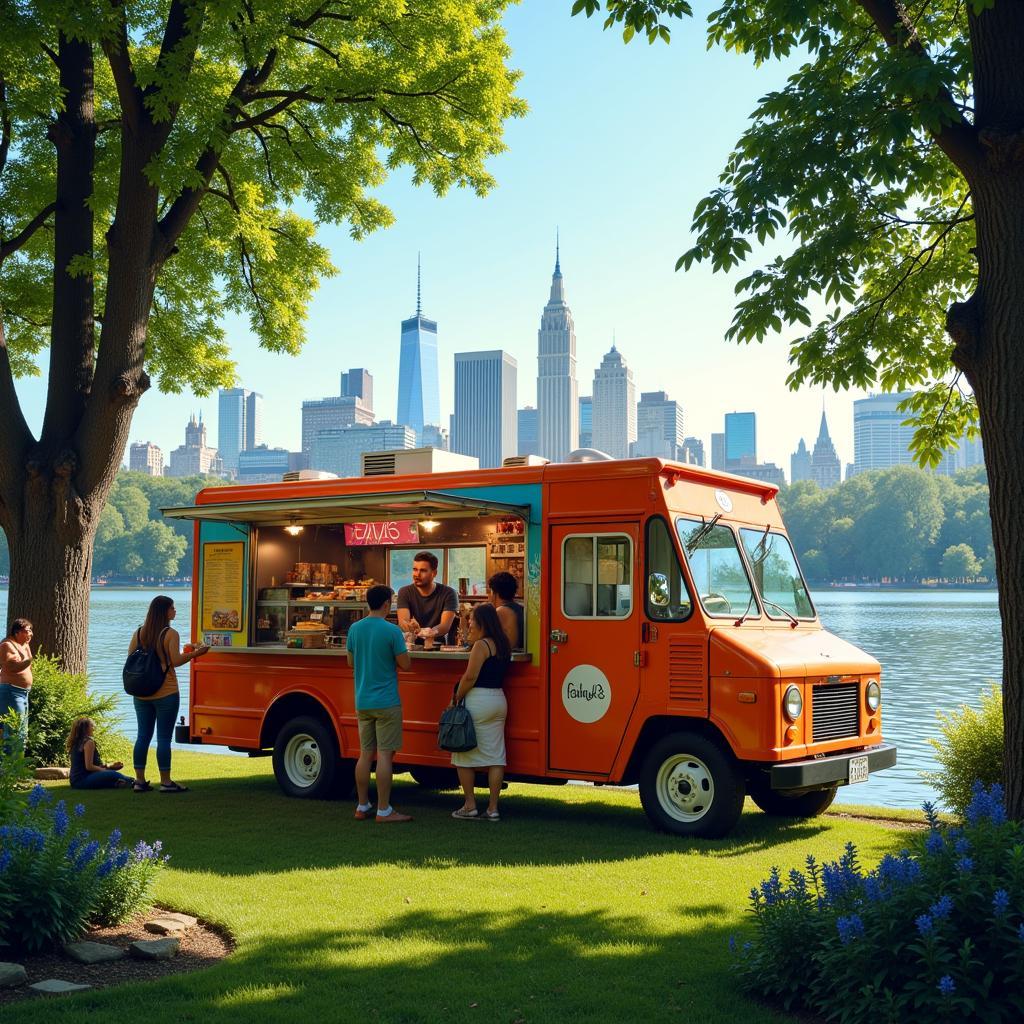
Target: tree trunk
x=988 y=331
x=49 y=585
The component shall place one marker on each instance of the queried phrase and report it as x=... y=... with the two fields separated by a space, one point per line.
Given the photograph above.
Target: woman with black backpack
x=159 y=710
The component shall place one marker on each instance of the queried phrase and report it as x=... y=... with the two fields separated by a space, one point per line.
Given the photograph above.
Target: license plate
x=858 y=769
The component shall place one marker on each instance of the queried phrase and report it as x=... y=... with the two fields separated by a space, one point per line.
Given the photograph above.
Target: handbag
x=144 y=673
x=455 y=731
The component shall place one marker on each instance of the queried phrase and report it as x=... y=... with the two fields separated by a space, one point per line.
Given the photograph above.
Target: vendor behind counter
x=425 y=603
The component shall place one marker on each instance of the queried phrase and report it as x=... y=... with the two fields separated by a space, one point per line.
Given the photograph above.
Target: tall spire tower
x=419 y=402
x=557 y=391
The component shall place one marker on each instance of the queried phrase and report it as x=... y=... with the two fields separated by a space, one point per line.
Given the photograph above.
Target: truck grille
x=835 y=712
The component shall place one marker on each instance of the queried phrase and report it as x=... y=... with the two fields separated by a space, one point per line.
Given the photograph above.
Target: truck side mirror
x=657 y=589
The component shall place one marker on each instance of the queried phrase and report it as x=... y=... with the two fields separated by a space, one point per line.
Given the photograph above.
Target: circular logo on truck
x=724 y=501
x=586 y=693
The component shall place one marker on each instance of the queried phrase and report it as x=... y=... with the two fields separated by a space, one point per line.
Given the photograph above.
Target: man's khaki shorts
x=380 y=728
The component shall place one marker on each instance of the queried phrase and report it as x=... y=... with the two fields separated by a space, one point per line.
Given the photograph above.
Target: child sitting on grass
x=87 y=770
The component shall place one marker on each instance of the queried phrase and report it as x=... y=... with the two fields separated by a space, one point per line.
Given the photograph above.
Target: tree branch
x=15 y=438
x=959 y=140
x=14 y=243
x=5 y=125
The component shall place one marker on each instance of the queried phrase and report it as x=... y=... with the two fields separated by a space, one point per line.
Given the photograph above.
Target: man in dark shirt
x=426 y=604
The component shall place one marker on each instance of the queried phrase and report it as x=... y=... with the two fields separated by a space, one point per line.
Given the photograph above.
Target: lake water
x=938 y=649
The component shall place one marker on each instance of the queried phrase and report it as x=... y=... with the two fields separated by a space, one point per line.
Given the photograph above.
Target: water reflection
x=938 y=649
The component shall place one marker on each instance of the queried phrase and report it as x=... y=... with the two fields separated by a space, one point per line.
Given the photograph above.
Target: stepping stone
x=94 y=952
x=56 y=987
x=155 y=949
x=12 y=975
x=170 y=924
x=51 y=774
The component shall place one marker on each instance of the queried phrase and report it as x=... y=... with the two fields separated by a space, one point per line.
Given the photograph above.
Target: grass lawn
x=569 y=909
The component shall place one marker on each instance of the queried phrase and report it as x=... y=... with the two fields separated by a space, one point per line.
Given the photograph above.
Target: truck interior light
x=293 y=528
x=429 y=524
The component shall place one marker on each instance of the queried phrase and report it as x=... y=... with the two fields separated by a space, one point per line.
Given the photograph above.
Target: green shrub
x=57 y=699
x=929 y=935
x=15 y=772
x=971 y=749
x=54 y=881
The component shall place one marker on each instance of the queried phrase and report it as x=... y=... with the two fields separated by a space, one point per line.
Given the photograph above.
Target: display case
x=279 y=610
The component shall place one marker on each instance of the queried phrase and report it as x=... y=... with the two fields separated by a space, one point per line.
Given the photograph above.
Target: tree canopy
x=263 y=120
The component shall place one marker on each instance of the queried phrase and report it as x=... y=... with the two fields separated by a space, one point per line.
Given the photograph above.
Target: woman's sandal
x=464 y=814
x=141 y=787
x=172 y=787
x=491 y=816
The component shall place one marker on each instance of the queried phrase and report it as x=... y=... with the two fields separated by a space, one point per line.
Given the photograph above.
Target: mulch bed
x=201 y=946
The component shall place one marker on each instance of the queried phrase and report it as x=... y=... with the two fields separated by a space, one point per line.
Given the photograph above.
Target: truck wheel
x=784 y=805
x=306 y=761
x=433 y=777
x=690 y=787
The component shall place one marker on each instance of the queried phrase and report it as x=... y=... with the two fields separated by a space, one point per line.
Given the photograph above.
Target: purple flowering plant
x=55 y=879
x=935 y=932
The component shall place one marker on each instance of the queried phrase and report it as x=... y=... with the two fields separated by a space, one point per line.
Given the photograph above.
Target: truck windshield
x=777 y=575
x=716 y=566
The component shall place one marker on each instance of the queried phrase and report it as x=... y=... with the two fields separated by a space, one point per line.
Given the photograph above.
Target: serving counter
x=416 y=655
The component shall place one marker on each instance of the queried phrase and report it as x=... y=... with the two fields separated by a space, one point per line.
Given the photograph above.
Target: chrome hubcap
x=302 y=760
x=685 y=787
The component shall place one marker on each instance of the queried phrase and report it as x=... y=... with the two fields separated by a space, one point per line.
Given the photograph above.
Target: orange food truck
x=670 y=639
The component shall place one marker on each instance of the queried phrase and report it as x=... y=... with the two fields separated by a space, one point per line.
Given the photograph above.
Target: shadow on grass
x=422 y=967
x=244 y=825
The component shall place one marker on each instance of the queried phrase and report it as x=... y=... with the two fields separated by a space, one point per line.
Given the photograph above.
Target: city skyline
x=489 y=259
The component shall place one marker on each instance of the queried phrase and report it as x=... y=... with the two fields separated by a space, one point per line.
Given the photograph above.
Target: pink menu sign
x=401 y=531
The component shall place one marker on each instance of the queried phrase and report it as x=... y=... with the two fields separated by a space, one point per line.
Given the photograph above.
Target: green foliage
x=897 y=523
x=57 y=699
x=283 y=115
x=15 y=774
x=959 y=563
x=55 y=880
x=971 y=748
x=840 y=170
x=642 y=16
x=935 y=933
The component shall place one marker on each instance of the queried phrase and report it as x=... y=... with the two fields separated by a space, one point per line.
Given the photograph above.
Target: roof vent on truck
x=308 y=474
x=589 y=455
x=411 y=461
x=524 y=460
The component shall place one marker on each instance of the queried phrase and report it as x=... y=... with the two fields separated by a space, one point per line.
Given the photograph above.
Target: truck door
x=594 y=674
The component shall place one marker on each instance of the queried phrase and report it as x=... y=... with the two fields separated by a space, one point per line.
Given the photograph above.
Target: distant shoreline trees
x=899 y=525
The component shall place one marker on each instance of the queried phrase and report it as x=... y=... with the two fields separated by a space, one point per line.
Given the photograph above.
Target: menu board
x=223 y=578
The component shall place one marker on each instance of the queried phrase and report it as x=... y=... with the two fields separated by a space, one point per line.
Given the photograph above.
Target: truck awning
x=343 y=508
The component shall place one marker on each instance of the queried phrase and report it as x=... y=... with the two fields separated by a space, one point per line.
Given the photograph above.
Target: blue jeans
x=100 y=780
x=15 y=698
x=162 y=715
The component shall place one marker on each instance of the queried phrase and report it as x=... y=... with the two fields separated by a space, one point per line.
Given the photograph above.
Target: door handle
x=559 y=636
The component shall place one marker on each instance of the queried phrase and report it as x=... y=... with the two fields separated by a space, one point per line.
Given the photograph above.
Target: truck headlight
x=793 y=703
x=872 y=695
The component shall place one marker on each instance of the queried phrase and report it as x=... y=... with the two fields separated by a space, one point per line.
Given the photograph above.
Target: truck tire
x=784 y=805
x=690 y=787
x=435 y=777
x=307 y=764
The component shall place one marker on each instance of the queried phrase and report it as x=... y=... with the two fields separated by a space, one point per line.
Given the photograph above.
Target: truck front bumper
x=816 y=772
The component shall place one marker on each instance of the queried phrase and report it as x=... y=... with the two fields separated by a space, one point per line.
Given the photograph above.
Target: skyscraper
x=693 y=451
x=800 y=464
x=419 y=401
x=358 y=383
x=239 y=423
x=740 y=438
x=485 y=422
x=527 y=418
x=146 y=458
x=194 y=457
x=586 y=404
x=339 y=451
x=557 y=393
x=614 y=406
x=659 y=426
x=718 y=451
x=826 y=469
x=333 y=413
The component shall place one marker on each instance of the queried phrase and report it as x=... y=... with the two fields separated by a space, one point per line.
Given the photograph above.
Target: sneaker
x=365 y=815
x=393 y=818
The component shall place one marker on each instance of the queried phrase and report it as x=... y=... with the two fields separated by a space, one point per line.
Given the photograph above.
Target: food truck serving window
x=717 y=569
x=776 y=574
x=597 y=576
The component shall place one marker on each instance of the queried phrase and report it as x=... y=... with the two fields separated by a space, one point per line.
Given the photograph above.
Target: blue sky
x=619 y=145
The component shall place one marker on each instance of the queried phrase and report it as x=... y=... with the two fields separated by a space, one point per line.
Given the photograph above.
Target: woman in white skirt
x=481 y=686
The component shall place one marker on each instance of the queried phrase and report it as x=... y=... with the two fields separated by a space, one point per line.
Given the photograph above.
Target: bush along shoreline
x=935 y=932
x=56 y=880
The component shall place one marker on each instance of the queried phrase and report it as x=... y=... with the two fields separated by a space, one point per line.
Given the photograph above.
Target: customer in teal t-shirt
x=376 y=649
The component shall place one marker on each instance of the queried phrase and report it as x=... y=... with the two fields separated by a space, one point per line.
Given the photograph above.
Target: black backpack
x=144 y=672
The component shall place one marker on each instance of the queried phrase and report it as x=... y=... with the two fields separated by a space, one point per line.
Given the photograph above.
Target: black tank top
x=492 y=671
x=78 y=769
